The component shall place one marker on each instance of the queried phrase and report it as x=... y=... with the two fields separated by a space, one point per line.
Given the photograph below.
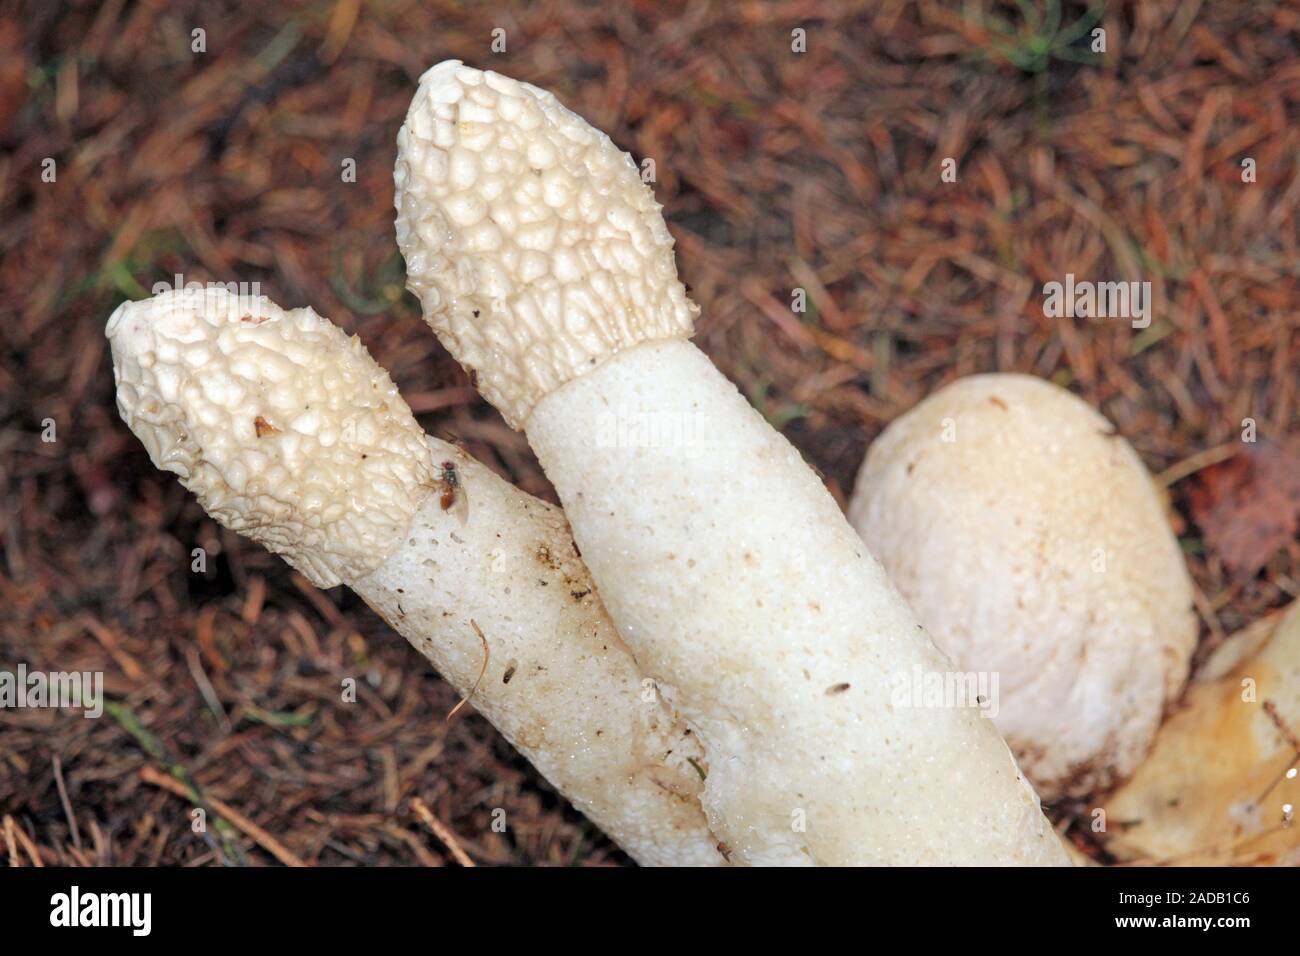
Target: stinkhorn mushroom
x=544 y=264
x=1030 y=540
x=290 y=433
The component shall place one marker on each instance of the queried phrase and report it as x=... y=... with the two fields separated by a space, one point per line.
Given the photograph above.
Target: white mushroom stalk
x=1030 y=540
x=544 y=264
x=289 y=432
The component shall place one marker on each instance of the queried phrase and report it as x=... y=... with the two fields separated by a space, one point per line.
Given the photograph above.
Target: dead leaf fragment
x=1214 y=788
x=1248 y=506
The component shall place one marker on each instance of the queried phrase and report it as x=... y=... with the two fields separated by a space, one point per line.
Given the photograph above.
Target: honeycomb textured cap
x=1030 y=540
x=283 y=426
x=533 y=245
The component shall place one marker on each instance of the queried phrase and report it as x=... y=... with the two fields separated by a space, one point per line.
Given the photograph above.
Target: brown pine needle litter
x=778 y=171
x=441 y=831
x=263 y=839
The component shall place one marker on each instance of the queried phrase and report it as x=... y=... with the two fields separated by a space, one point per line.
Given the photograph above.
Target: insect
x=453 y=497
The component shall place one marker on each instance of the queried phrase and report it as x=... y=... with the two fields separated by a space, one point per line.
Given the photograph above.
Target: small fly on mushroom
x=453 y=497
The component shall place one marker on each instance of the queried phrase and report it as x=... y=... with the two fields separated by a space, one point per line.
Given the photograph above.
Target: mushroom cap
x=1031 y=542
x=533 y=245
x=283 y=426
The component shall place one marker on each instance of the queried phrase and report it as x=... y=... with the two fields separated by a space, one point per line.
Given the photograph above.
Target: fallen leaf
x=1248 y=506
x=1214 y=788
x=1227 y=657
